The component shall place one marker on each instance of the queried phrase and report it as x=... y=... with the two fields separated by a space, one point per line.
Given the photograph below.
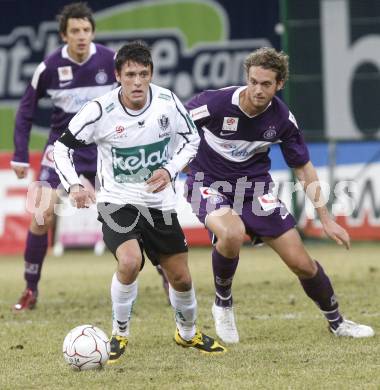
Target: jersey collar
x=65 y=54
x=235 y=101
x=130 y=112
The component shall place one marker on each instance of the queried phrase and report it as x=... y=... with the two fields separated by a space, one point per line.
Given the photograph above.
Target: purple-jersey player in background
x=77 y=72
x=229 y=187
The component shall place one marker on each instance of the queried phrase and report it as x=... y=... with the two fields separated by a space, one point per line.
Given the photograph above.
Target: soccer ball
x=86 y=347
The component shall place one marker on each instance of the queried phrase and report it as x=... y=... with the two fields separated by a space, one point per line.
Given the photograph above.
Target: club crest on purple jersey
x=270 y=133
x=215 y=199
x=213 y=196
x=101 y=77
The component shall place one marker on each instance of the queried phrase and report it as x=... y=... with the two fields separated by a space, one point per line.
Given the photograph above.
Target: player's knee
x=180 y=281
x=129 y=265
x=232 y=237
x=42 y=225
x=49 y=218
x=304 y=270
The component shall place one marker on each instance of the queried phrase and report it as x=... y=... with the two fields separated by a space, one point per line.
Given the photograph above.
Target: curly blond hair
x=269 y=58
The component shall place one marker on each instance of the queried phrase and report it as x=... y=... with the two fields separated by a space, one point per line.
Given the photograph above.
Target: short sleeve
x=198 y=109
x=293 y=145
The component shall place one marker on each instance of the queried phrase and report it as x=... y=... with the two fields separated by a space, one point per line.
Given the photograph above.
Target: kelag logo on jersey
x=135 y=165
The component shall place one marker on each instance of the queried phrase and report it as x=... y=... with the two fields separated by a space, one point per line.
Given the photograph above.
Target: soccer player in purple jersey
x=229 y=187
x=72 y=75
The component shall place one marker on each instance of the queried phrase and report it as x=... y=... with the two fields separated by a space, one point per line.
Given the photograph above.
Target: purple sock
x=35 y=251
x=320 y=290
x=224 y=271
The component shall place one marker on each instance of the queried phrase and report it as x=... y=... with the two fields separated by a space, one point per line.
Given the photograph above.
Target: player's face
x=134 y=79
x=261 y=87
x=78 y=36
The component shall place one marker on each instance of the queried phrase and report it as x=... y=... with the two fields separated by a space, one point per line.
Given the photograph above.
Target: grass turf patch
x=284 y=338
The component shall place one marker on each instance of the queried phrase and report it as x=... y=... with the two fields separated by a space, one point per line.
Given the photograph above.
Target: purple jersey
x=69 y=85
x=235 y=145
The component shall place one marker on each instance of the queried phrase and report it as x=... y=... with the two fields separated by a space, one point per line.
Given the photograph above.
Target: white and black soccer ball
x=86 y=347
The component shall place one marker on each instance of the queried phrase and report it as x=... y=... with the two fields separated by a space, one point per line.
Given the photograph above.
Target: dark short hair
x=136 y=51
x=77 y=11
x=269 y=58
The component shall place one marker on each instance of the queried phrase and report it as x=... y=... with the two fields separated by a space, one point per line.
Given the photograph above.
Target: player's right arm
x=24 y=119
x=296 y=155
x=80 y=132
x=308 y=177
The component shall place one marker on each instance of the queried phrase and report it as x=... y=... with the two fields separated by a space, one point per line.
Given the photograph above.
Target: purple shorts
x=263 y=216
x=48 y=174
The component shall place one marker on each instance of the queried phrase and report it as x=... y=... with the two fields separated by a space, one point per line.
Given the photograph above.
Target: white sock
x=185 y=306
x=123 y=297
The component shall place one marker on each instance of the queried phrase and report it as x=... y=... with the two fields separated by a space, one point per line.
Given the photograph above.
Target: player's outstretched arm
x=308 y=177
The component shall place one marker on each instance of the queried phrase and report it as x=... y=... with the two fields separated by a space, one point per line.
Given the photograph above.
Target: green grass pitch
x=284 y=339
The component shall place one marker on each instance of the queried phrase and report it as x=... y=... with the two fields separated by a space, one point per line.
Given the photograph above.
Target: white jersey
x=131 y=146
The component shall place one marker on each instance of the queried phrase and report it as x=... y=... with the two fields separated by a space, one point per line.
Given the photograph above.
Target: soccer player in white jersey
x=144 y=138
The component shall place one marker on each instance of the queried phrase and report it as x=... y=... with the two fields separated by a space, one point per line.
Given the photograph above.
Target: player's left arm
x=188 y=139
x=308 y=177
x=187 y=136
